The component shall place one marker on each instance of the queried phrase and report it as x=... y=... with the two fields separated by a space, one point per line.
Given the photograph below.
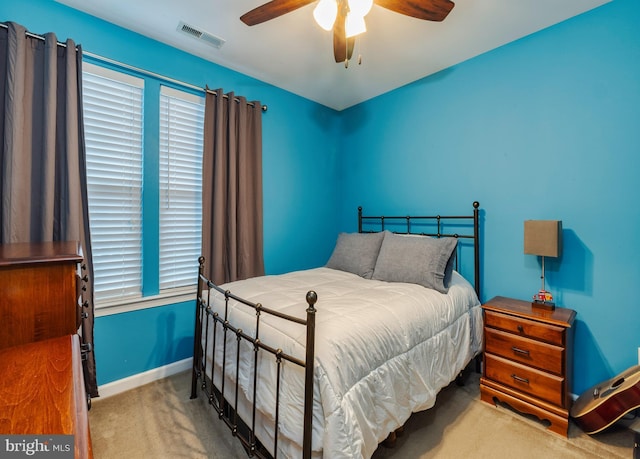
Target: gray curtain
x=43 y=193
x=232 y=239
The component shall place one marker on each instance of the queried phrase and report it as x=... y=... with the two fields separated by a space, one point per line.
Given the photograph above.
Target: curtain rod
x=160 y=77
x=36 y=36
x=136 y=69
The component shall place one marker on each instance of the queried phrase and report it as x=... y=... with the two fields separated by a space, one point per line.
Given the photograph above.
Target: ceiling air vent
x=200 y=35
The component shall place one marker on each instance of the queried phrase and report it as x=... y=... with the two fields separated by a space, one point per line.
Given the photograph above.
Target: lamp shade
x=543 y=237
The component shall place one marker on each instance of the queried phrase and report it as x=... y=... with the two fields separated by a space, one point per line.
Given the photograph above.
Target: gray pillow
x=419 y=260
x=356 y=253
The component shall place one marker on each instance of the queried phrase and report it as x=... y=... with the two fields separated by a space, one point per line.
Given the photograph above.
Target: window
x=113 y=135
x=181 y=137
x=144 y=161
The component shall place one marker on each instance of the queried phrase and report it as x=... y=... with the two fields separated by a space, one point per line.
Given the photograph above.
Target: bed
x=327 y=362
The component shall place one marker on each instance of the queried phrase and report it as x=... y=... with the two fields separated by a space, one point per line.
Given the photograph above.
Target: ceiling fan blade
x=342 y=46
x=271 y=10
x=429 y=10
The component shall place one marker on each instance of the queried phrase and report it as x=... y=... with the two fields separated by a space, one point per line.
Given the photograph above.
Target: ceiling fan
x=346 y=17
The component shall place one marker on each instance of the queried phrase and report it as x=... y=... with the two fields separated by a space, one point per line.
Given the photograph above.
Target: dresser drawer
x=543 y=356
x=51 y=269
x=525 y=327
x=534 y=382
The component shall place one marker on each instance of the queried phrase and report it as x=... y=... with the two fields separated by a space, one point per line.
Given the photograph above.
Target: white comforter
x=383 y=351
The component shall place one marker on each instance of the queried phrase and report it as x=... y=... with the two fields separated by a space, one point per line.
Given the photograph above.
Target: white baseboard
x=131 y=382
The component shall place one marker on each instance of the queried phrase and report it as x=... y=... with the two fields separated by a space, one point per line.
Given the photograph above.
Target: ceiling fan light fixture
x=354 y=25
x=325 y=13
x=360 y=7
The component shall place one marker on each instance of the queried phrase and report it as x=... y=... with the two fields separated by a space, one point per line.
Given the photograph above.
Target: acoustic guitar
x=602 y=405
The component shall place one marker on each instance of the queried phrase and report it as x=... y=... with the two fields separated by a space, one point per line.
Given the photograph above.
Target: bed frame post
x=476 y=247
x=312 y=297
x=198 y=334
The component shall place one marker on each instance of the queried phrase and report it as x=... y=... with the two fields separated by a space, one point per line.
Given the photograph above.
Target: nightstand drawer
x=541 y=355
x=525 y=379
x=524 y=327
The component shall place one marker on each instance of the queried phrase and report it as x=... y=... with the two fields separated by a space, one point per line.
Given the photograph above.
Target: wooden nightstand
x=528 y=359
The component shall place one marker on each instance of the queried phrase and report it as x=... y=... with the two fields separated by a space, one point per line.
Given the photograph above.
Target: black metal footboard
x=227 y=406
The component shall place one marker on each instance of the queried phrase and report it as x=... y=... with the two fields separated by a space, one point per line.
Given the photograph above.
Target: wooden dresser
x=42 y=387
x=42 y=391
x=39 y=291
x=528 y=359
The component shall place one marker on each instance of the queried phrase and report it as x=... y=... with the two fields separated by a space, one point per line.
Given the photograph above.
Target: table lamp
x=543 y=238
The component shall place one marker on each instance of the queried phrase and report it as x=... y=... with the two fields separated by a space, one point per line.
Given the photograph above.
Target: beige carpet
x=160 y=421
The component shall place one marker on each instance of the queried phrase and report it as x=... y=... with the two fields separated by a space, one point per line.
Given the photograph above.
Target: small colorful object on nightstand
x=543 y=299
x=543 y=296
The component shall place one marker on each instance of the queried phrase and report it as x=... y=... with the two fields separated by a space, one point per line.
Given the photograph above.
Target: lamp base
x=548 y=305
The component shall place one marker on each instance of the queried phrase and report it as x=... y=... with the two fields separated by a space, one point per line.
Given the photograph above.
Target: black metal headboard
x=434 y=226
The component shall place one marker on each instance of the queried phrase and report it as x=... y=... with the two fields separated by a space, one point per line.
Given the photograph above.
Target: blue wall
x=299 y=165
x=543 y=128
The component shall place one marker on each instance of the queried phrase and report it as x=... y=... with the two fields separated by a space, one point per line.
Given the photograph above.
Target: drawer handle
x=518 y=378
x=520 y=351
x=520 y=328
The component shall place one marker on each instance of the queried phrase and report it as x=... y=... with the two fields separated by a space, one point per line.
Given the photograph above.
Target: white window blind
x=181 y=138
x=113 y=134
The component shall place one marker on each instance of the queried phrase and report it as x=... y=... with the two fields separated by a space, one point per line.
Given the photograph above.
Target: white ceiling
x=293 y=53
